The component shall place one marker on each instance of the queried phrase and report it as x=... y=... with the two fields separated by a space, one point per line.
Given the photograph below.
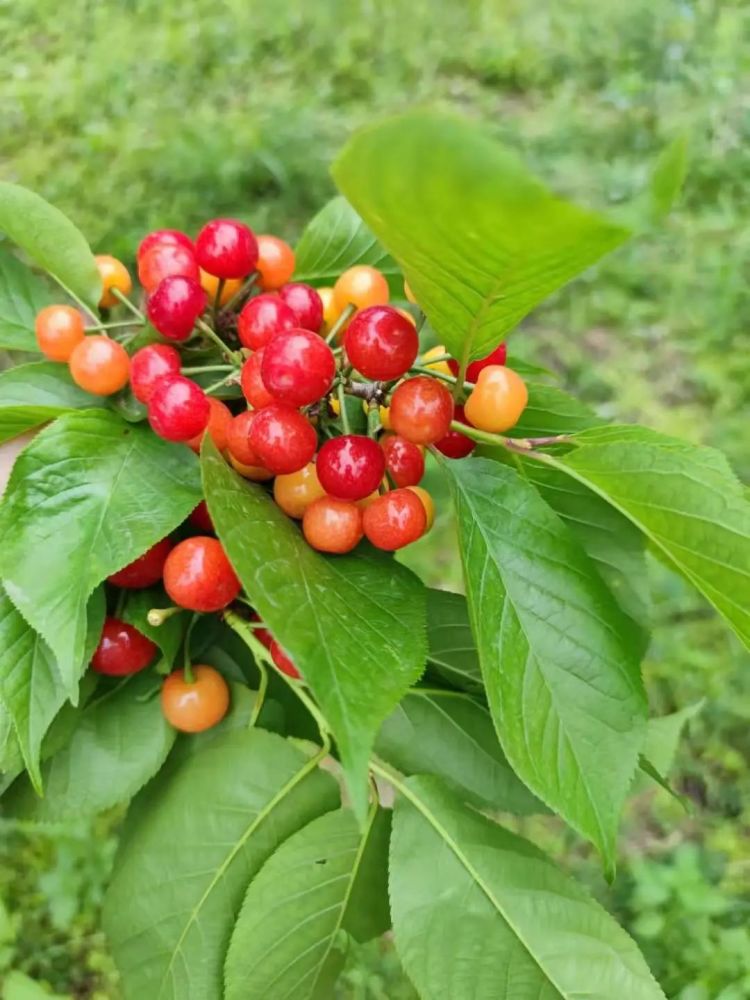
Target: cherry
x=331 y=312
x=161 y=237
x=219 y=419
x=144 y=571
x=238 y=438
x=298 y=367
x=178 y=409
x=261 y=634
x=163 y=261
x=58 y=330
x=296 y=491
x=427 y=503
x=421 y=410
x=226 y=248
x=197 y=705
x=201 y=519
x=261 y=319
x=380 y=343
x=455 y=444
x=394 y=520
x=257 y=473
x=496 y=357
x=306 y=305
x=114 y=274
x=498 y=400
x=351 y=466
x=331 y=525
x=275 y=264
x=99 y=365
x=122 y=650
x=360 y=286
x=174 y=306
x=251 y=382
x=282 y=661
x=283 y=439
x=198 y=575
x=149 y=365
x=404 y=460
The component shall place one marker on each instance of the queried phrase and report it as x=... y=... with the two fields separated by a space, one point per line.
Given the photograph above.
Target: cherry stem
x=242 y=290
x=342 y=408
x=444 y=376
x=373 y=418
x=341 y=322
x=157 y=616
x=217 y=296
x=433 y=361
x=222 y=382
x=216 y=339
x=207 y=368
x=128 y=304
x=109 y=326
x=511 y=444
x=186 y=662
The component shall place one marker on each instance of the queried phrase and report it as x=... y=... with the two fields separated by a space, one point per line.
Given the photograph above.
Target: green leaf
x=480 y=240
x=286 y=942
x=86 y=497
x=552 y=411
x=33 y=394
x=452 y=650
x=22 y=295
x=663 y=736
x=354 y=625
x=17 y=986
x=664 y=187
x=447 y=733
x=684 y=498
x=119 y=743
x=481 y=914
x=168 y=637
x=205 y=827
x=558 y=655
x=336 y=239
x=51 y=240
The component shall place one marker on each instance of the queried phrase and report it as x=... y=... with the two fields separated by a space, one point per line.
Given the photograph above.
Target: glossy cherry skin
x=261 y=319
x=58 y=330
x=198 y=575
x=306 y=305
x=282 y=661
x=350 y=467
x=193 y=707
x=178 y=409
x=149 y=365
x=298 y=367
x=122 y=650
x=427 y=503
x=381 y=343
x=99 y=365
x=219 y=419
x=174 y=306
x=394 y=520
x=251 y=382
x=296 y=491
x=497 y=401
x=496 y=357
x=455 y=444
x=160 y=237
x=164 y=260
x=282 y=438
x=275 y=264
x=226 y=248
x=238 y=438
x=360 y=286
x=331 y=525
x=404 y=460
x=201 y=519
x=146 y=570
x=114 y=274
x=421 y=410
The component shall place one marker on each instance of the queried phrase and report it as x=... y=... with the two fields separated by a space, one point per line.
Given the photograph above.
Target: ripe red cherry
x=160 y=237
x=282 y=661
x=251 y=382
x=298 y=367
x=394 y=520
x=381 y=343
x=149 y=365
x=226 y=248
x=178 y=409
x=421 y=410
x=164 y=260
x=144 y=571
x=174 y=306
x=350 y=467
x=261 y=319
x=198 y=575
x=306 y=305
x=282 y=438
x=455 y=444
x=498 y=357
x=404 y=460
x=238 y=438
x=201 y=519
x=122 y=650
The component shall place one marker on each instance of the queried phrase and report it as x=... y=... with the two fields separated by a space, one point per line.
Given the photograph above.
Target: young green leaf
x=481 y=914
x=86 y=497
x=480 y=240
x=452 y=651
x=204 y=828
x=354 y=625
x=558 y=655
x=662 y=740
x=287 y=940
x=22 y=295
x=33 y=394
x=51 y=240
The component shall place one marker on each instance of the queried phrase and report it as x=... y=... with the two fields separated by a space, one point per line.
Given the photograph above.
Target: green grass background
x=140 y=114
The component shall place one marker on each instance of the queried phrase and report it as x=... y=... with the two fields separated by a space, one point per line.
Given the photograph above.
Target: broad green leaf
x=86 y=497
x=287 y=940
x=447 y=733
x=452 y=650
x=481 y=914
x=336 y=239
x=558 y=655
x=205 y=828
x=480 y=240
x=33 y=394
x=552 y=411
x=354 y=625
x=119 y=743
x=168 y=637
x=22 y=295
x=17 y=986
x=684 y=498
x=662 y=740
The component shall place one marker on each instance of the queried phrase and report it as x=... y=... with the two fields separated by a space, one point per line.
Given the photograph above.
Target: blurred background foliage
x=141 y=114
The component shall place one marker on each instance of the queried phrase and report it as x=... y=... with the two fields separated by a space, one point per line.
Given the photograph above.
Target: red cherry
x=160 y=237
x=350 y=467
x=497 y=357
x=226 y=248
x=178 y=409
x=404 y=460
x=306 y=305
x=144 y=571
x=238 y=438
x=122 y=650
x=381 y=343
x=282 y=438
x=199 y=576
x=282 y=661
x=394 y=520
x=251 y=382
x=455 y=444
x=261 y=319
x=261 y=634
x=219 y=420
x=149 y=365
x=298 y=367
x=175 y=305
x=201 y=519
x=164 y=260
x=421 y=410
